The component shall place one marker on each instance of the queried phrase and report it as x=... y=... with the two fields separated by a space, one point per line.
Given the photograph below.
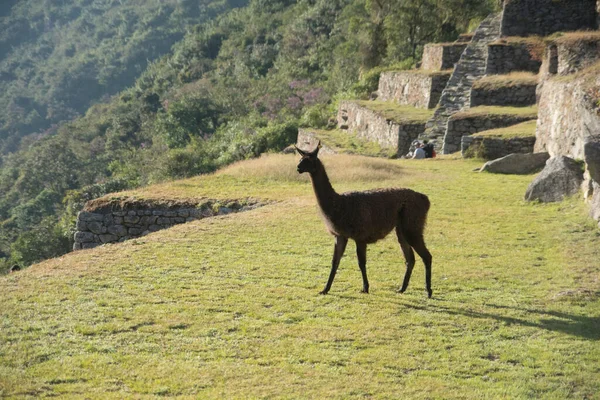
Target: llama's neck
x=326 y=195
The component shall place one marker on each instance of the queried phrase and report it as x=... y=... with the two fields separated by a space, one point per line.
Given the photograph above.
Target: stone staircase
x=457 y=94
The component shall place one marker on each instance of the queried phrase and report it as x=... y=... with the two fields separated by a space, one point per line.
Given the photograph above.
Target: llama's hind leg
x=338 y=252
x=417 y=243
x=361 y=253
x=409 y=257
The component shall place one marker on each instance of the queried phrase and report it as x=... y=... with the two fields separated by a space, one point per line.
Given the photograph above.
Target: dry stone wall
x=491 y=148
x=369 y=125
x=544 y=17
x=459 y=126
x=441 y=56
x=515 y=96
x=574 y=56
x=412 y=88
x=503 y=58
x=114 y=223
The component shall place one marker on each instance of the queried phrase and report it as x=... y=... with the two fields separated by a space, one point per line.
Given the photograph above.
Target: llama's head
x=308 y=162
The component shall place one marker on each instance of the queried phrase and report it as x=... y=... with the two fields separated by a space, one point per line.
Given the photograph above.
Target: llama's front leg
x=338 y=252
x=361 y=253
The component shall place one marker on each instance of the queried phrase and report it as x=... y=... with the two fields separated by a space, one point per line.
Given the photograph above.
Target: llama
x=367 y=217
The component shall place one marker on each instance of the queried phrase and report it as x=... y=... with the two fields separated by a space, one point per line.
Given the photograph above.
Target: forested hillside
x=233 y=87
x=59 y=57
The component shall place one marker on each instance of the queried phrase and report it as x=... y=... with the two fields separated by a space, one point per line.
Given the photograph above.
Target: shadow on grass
x=587 y=327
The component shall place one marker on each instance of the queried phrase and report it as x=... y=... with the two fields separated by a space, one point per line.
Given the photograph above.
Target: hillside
x=231 y=89
x=59 y=58
x=227 y=307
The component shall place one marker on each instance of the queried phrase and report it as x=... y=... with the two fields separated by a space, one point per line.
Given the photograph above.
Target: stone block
x=96 y=227
x=89 y=245
x=83 y=237
x=108 y=238
x=90 y=217
x=118 y=230
x=135 y=231
x=131 y=219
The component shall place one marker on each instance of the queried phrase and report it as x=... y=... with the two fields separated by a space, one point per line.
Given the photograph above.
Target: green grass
x=498 y=111
x=513 y=79
x=397 y=113
x=347 y=142
x=522 y=130
x=227 y=307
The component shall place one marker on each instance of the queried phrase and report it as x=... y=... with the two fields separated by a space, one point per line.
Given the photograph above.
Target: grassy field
x=227 y=307
x=498 y=112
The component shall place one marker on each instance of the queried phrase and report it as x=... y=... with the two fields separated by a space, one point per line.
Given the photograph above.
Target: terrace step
x=470 y=67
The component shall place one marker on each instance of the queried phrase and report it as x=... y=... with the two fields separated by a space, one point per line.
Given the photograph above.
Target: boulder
x=591 y=156
x=561 y=177
x=516 y=163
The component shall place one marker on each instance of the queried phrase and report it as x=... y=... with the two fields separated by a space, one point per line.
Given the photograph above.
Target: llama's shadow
x=586 y=327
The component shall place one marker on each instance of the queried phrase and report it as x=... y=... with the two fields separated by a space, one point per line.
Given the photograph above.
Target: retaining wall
x=441 y=56
x=459 y=126
x=371 y=126
x=504 y=58
x=516 y=96
x=412 y=88
x=491 y=148
x=116 y=223
x=544 y=17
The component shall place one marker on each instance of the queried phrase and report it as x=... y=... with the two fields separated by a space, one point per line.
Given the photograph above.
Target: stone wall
x=544 y=17
x=504 y=57
x=574 y=55
x=516 y=96
x=441 y=56
x=491 y=148
x=371 y=126
x=414 y=88
x=116 y=223
x=459 y=126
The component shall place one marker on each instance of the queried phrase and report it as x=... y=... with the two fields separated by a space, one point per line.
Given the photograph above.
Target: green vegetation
x=227 y=307
x=494 y=111
x=59 y=58
x=524 y=129
x=492 y=82
x=396 y=112
x=346 y=142
x=229 y=90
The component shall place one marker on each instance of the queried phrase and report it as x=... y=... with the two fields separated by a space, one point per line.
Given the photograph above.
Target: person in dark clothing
x=428 y=149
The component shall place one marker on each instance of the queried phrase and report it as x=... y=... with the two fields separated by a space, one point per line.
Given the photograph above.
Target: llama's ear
x=315 y=152
x=302 y=153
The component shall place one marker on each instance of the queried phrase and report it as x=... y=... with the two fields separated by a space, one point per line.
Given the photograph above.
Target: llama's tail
x=413 y=215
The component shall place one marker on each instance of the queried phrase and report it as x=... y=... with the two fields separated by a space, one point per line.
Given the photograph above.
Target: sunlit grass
x=397 y=113
x=519 y=78
x=498 y=111
x=522 y=130
x=228 y=307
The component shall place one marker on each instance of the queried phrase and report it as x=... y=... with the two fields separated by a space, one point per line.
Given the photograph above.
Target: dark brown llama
x=367 y=217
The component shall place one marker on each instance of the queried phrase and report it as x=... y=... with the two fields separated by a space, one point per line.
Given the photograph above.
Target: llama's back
x=371 y=215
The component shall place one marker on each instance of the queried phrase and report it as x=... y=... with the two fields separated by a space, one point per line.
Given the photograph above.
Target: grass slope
x=228 y=307
x=396 y=112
